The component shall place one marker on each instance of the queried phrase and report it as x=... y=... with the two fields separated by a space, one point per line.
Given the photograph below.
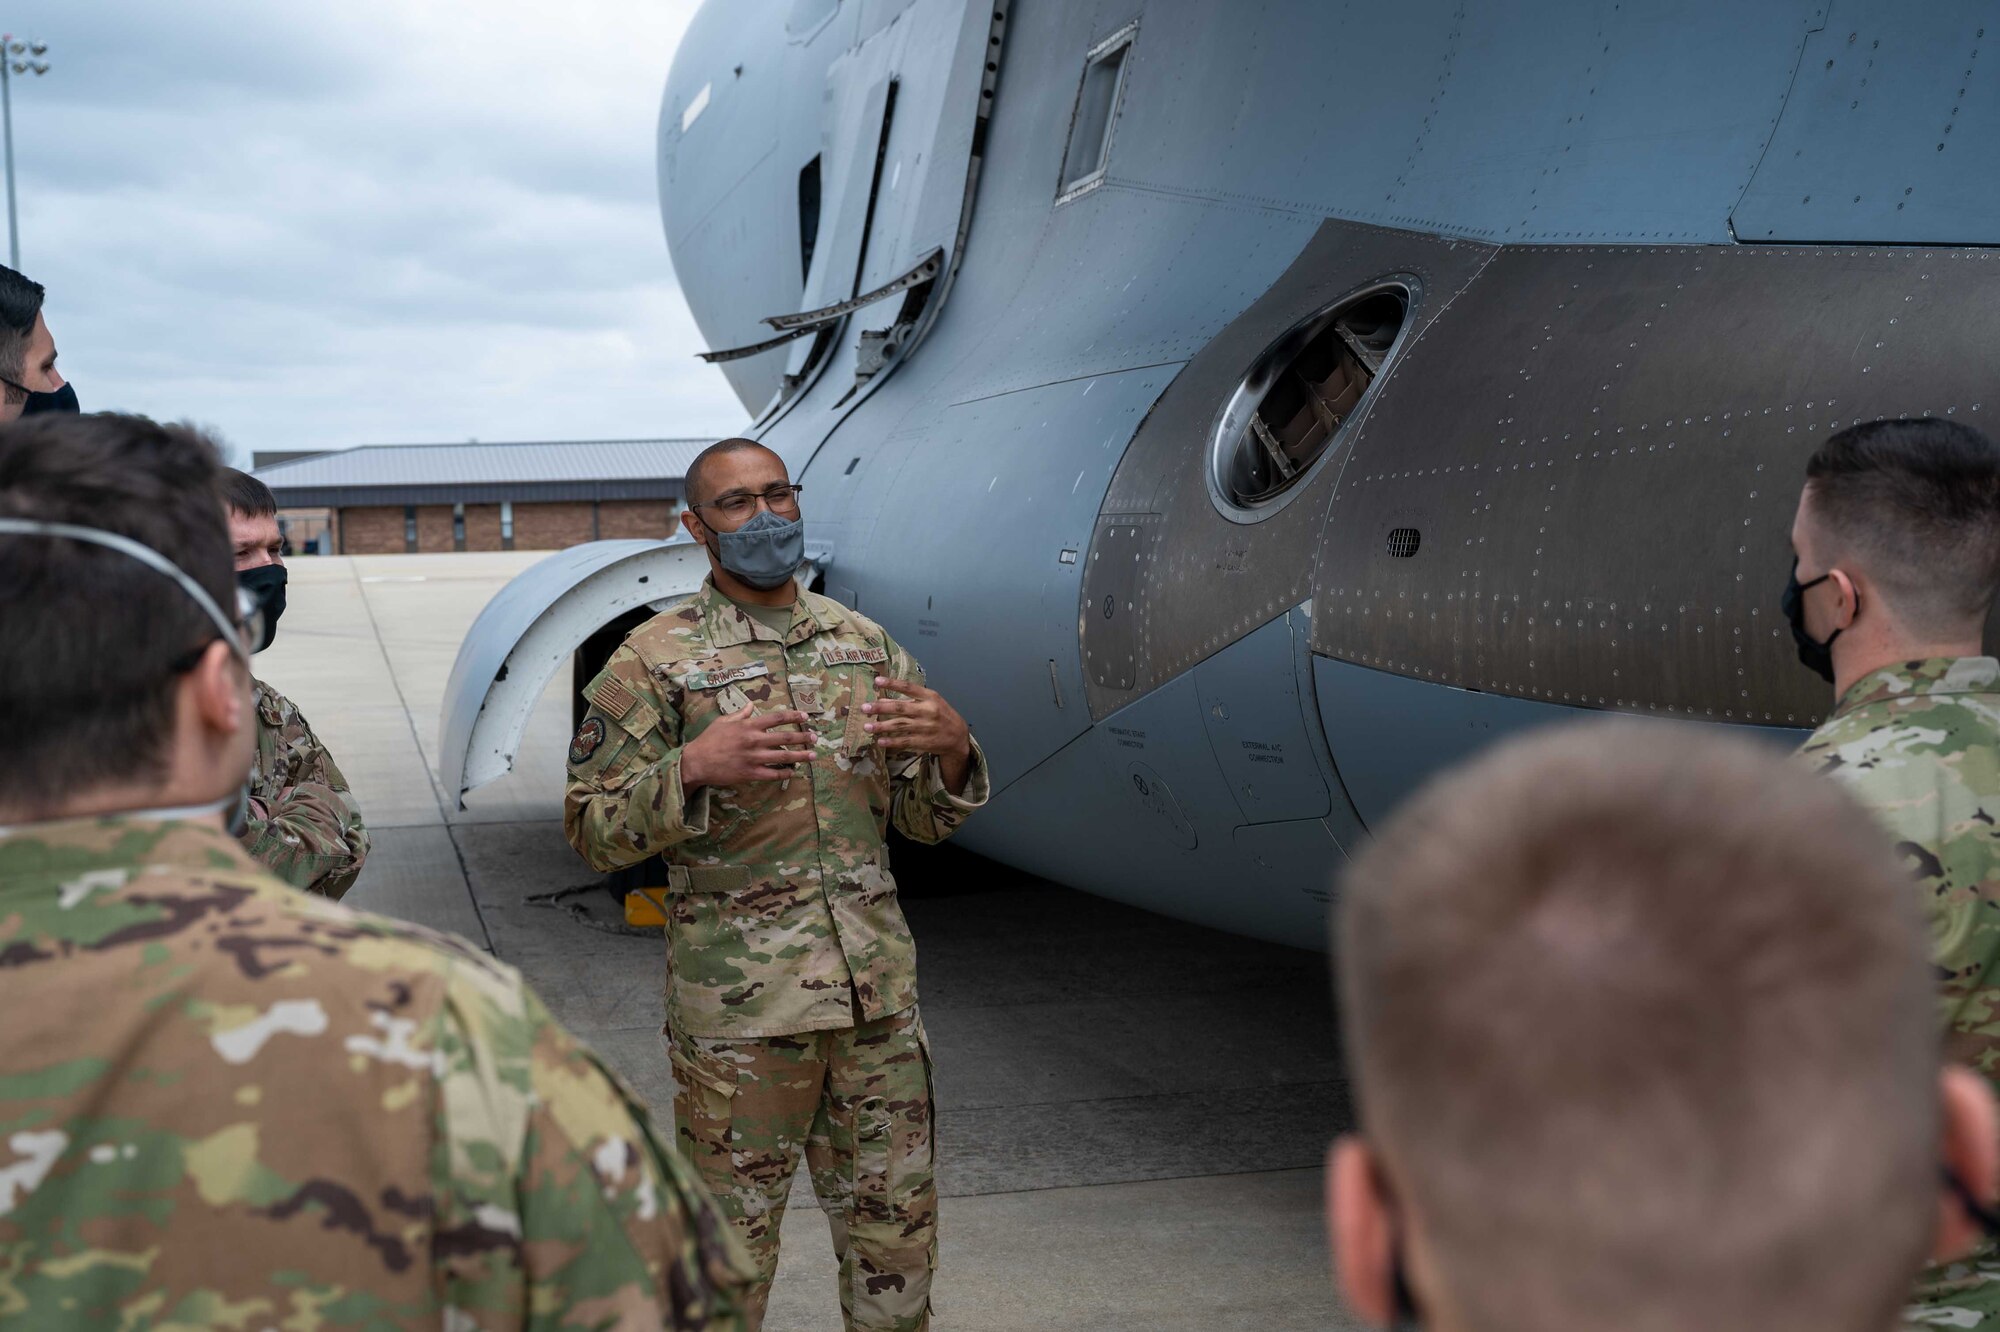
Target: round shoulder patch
x=588 y=737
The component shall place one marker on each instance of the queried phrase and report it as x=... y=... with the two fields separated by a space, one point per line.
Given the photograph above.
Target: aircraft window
x=808 y=218
x=1096 y=111
x=1293 y=404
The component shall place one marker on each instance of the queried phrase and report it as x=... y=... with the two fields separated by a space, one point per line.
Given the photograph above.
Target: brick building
x=395 y=498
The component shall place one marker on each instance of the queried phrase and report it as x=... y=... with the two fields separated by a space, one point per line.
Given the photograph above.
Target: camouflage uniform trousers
x=858 y=1099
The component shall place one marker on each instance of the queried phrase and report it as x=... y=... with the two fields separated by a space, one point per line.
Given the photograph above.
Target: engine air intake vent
x=1293 y=405
x=1403 y=542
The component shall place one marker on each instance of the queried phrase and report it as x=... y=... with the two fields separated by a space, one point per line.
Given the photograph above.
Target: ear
x=1971 y=1152
x=1360 y=1231
x=695 y=527
x=1850 y=598
x=220 y=697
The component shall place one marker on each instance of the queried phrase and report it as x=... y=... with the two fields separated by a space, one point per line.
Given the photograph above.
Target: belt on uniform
x=648 y=906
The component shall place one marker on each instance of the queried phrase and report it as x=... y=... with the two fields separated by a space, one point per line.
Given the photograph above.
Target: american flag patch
x=610 y=694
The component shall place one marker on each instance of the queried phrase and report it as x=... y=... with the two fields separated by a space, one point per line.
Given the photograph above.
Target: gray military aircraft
x=1246 y=409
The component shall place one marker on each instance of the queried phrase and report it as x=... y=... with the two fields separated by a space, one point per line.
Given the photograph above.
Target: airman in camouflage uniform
x=1918 y=743
x=791 y=996
x=304 y=826
x=225 y=1103
x=230 y=1104
x=1915 y=735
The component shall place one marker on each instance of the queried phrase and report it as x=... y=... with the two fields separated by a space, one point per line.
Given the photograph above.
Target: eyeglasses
x=779 y=499
x=252 y=624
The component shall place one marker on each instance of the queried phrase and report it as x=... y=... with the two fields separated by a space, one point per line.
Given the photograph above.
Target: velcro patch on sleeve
x=852 y=654
x=612 y=695
x=588 y=737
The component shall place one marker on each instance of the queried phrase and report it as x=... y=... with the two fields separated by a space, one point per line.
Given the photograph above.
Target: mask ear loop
x=1987 y=1218
x=1403 y=1315
x=1851 y=591
x=147 y=556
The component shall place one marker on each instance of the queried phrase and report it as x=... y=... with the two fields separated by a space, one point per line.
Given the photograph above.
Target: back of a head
x=1916 y=503
x=92 y=636
x=1643 y=1030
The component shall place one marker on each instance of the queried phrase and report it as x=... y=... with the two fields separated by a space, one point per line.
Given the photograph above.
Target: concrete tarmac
x=1131 y=1111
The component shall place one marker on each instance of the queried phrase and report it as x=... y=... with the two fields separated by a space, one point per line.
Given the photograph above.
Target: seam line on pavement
x=1234 y=1087
x=437 y=794
x=1144 y=1179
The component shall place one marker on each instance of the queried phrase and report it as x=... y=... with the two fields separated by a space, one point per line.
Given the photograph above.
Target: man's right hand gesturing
x=745 y=746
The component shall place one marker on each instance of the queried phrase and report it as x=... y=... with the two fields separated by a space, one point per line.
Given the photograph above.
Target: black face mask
x=266 y=583
x=62 y=400
x=1814 y=655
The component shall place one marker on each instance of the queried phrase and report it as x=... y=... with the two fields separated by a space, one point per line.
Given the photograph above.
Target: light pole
x=12 y=63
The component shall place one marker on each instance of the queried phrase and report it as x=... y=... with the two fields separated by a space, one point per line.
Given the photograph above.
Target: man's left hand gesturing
x=921 y=722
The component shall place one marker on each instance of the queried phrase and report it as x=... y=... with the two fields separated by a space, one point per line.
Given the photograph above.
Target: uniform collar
x=66 y=850
x=725 y=624
x=1931 y=675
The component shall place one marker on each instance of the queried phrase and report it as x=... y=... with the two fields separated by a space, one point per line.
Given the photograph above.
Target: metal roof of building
x=446 y=473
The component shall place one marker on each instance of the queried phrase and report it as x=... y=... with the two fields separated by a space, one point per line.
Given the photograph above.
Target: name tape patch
x=717 y=678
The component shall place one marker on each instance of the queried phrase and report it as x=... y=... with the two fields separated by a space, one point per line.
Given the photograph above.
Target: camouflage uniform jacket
x=309 y=833
x=782 y=915
x=224 y=1103
x=1919 y=743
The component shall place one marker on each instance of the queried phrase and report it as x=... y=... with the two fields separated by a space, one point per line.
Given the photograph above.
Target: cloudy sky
x=312 y=224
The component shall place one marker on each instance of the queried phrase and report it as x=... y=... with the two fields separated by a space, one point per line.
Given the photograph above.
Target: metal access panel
x=1113 y=628
x=1299 y=857
x=1594 y=458
x=1250 y=707
x=1889 y=131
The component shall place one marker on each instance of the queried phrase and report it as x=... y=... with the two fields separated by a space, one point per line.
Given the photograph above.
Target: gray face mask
x=765 y=552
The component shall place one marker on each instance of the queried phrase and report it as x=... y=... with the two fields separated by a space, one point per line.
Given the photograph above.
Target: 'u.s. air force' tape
x=848 y=654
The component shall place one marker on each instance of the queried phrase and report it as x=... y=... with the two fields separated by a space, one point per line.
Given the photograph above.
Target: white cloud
x=314 y=225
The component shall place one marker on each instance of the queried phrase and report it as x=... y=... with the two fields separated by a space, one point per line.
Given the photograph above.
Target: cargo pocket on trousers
x=930 y=1128
x=893 y=1220
x=704 y=1093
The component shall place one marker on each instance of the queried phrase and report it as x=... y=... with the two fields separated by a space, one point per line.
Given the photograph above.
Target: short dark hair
x=1643 y=1018
x=1916 y=502
x=92 y=637
x=245 y=494
x=20 y=304
x=694 y=486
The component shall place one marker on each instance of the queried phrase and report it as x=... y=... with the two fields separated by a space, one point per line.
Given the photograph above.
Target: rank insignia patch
x=588 y=737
